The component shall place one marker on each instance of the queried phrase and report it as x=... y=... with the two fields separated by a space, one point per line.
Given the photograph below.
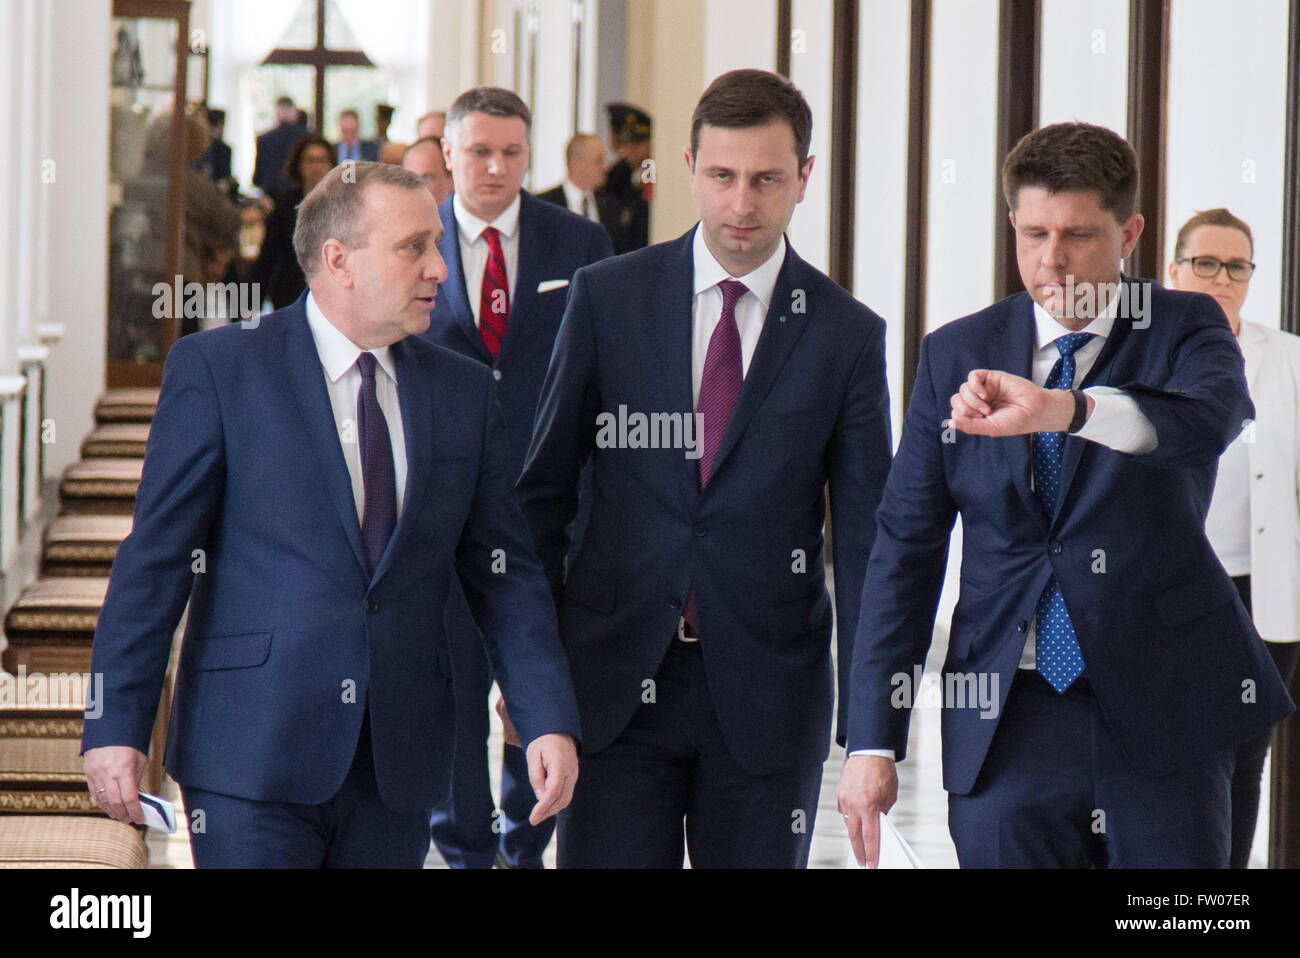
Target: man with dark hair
x=1101 y=667
x=315 y=483
x=584 y=163
x=510 y=258
x=273 y=148
x=351 y=146
x=695 y=613
x=624 y=199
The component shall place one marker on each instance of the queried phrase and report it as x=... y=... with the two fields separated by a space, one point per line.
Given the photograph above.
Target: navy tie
x=1057 y=653
x=379 y=512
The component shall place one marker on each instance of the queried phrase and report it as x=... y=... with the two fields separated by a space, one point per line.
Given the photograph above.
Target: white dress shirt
x=338 y=358
x=1116 y=421
x=584 y=204
x=1227 y=525
x=474 y=249
x=706 y=306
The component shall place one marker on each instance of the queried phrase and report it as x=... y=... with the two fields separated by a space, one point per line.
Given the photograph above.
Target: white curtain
x=394 y=34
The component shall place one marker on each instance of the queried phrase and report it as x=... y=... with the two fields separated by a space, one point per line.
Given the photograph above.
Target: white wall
x=78 y=219
x=810 y=70
x=1227 y=98
x=1083 y=63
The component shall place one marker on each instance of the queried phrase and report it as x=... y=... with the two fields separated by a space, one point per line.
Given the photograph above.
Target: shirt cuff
x=1117 y=421
x=882 y=752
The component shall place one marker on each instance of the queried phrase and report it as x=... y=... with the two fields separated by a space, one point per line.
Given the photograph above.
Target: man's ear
x=1132 y=230
x=336 y=259
x=690 y=160
x=803 y=177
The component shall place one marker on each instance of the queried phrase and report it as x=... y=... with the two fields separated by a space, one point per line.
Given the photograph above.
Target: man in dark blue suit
x=315 y=483
x=509 y=258
x=273 y=148
x=351 y=146
x=1100 y=666
x=715 y=384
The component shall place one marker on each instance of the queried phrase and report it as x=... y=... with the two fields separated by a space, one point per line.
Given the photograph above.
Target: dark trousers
x=1056 y=792
x=669 y=783
x=354 y=829
x=1248 y=774
x=467 y=828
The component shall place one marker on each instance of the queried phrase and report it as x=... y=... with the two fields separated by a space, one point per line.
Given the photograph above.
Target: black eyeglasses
x=1207 y=267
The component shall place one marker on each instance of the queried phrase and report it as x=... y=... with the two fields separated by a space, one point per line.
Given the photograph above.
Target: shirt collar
x=338 y=354
x=471 y=227
x=1047 y=329
x=709 y=272
x=573 y=196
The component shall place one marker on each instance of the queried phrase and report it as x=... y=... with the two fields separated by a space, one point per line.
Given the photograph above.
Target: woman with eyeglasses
x=1254 y=518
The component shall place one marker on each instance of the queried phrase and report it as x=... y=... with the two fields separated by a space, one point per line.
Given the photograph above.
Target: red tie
x=494 y=298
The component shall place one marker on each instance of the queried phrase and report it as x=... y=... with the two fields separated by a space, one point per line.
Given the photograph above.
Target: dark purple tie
x=719 y=391
x=379 y=513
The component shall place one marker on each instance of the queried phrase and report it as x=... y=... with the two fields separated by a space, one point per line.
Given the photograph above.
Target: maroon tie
x=719 y=391
x=494 y=298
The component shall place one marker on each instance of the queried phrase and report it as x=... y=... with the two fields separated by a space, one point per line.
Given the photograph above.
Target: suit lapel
x=312 y=397
x=1098 y=375
x=674 y=321
x=454 y=289
x=782 y=327
x=417 y=426
x=533 y=246
x=1018 y=339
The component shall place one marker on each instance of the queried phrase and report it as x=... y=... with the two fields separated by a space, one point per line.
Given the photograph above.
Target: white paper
x=158 y=813
x=546 y=285
x=894 y=851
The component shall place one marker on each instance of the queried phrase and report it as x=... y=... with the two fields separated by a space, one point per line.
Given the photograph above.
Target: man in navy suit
x=509 y=258
x=716 y=384
x=273 y=148
x=314 y=484
x=1101 y=667
x=350 y=146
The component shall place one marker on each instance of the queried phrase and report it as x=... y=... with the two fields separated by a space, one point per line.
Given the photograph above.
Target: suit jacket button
x=1057 y=548
x=1022 y=625
x=674 y=603
x=701 y=531
x=496 y=374
x=371 y=604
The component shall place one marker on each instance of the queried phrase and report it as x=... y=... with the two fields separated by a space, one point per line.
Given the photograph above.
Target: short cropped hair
x=575 y=144
x=1215 y=217
x=745 y=98
x=492 y=100
x=333 y=207
x=1074 y=158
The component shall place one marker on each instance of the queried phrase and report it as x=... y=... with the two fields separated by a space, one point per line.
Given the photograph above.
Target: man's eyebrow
x=412 y=237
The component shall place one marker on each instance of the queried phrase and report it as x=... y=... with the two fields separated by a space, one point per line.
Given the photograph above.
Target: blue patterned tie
x=378 y=478
x=1057 y=652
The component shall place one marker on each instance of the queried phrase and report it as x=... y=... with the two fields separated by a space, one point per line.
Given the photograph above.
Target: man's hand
x=994 y=403
x=552 y=771
x=507 y=726
x=113 y=774
x=868 y=786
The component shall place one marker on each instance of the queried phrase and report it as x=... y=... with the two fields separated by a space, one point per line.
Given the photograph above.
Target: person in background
x=391 y=152
x=383 y=120
x=277 y=269
x=274 y=145
x=431 y=125
x=1253 y=522
x=624 y=199
x=424 y=158
x=351 y=146
x=215 y=161
x=584 y=161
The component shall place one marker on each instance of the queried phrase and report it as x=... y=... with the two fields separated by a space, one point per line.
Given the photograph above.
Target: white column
x=10 y=118
x=810 y=70
x=11 y=393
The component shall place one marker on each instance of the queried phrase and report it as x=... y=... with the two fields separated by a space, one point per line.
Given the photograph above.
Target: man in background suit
x=624 y=197
x=584 y=161
x=350 y=146
x=424 y=158
x=695 y=614
x=509 y=260
x=273 y=148
x=1076 y=428
x=314 y=484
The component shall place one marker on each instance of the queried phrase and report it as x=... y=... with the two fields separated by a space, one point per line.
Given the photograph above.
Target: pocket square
x=547 y=285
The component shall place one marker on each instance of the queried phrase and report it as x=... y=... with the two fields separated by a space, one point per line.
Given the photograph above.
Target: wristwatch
x=1080 y=410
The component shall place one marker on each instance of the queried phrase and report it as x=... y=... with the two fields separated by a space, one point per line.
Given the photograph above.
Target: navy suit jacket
x=813 y=408
x=287 y=637
x=369 y=151
x=553 y=245
x=273 y=149
x=1177 y=667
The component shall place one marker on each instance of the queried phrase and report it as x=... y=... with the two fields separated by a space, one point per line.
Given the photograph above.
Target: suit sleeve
x=180 y=492
x=513 y=607
x=564 y=434
x=1204 y=403
x=904 y=576
x=858 y=464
